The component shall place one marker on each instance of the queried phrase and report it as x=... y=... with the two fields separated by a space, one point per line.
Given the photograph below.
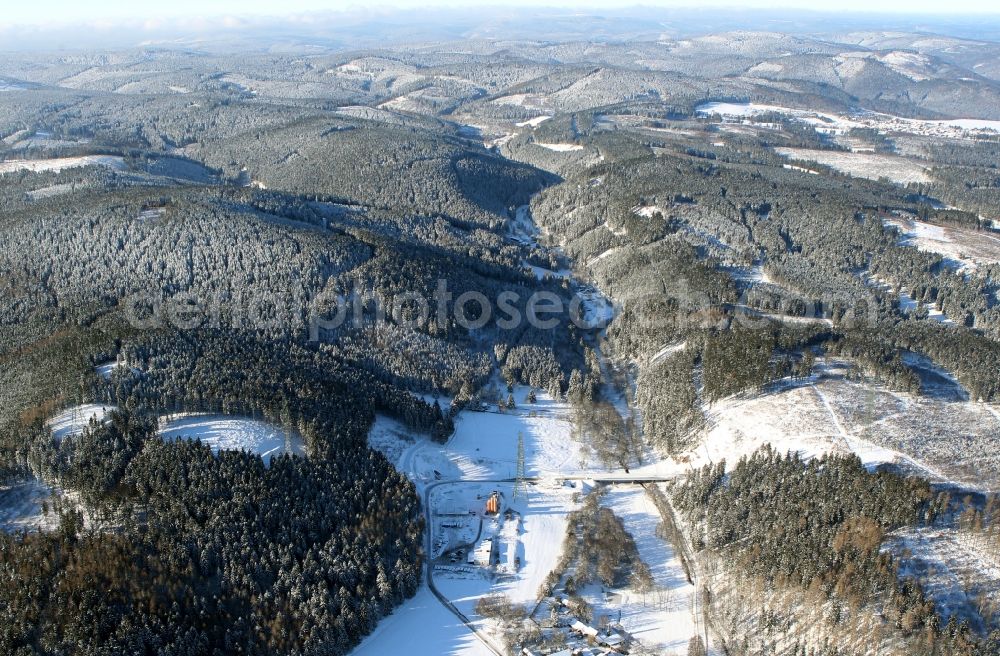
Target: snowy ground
x=863 y=165
x=422 y=626
x=73 y=420
x=660 y=619
x=838 y=124
x=23 y=506
x=966 y=248
x=61 y=163
x=227 y=433
x=560 y=147
x=907 y=304
x=484 y=445
x=939 y=438
x=107 y=369
x=533 y=122
x=55 y=190
x=957 y=569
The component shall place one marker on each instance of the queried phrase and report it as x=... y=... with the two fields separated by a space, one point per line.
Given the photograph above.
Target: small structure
x=583 y=630
x=493 y=504
x=612 y=640
x=483 y=554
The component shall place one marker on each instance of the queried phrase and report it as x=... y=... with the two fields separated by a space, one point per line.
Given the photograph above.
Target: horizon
x=115 y=25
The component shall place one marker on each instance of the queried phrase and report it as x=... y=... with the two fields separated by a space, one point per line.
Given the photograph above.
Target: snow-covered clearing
x=72 y=421
x=225 y=433
x=669 y=349
x=944 y=440
x=533 y=122
x=956 y=568
x=965 y=247
x=541 y=273
x=863 y=165
x=560 y=147
x=800 y=169
x=484 y=445
x=108 y=369
x=839 y=124
x=601 y=256
x=647 y=211
x=60 y=163
x=528 y=101
x=26 y=505
x=907 y=304
x=422 y=627
x=55 y=190
x=660 y=619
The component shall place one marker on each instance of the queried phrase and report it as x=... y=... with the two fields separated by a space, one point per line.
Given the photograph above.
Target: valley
x=674 y=343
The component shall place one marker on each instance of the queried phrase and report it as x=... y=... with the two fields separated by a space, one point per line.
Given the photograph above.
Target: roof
x=611 y=640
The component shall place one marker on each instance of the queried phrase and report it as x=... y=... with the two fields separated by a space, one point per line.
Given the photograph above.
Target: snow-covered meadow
x=72 y=421
x=61 y=163
x=965 y=248
x=225 y=433
x=863 y=165
x=25 y=506
x=939 y=436
x=660 y=618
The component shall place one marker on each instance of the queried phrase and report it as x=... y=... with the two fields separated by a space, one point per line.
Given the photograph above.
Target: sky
x=64 y=12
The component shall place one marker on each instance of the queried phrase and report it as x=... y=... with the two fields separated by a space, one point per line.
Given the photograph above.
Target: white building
x=482 y=555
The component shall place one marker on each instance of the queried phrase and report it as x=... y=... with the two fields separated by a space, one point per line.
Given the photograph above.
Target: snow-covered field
x=560 y=147
x=23 y=506
x=863 y=165
x=422 y=626
x=484 y=445
x=60 y=163
x=661 y=618
x=533 y=122
x=839 y=124
x=73 y=420
x=647 y=211
x=941 y=439
x=957 y=569
x=55 y=190
x=965 y=247
x=225 y=433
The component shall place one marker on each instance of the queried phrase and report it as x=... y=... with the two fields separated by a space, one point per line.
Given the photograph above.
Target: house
x=583 y=629
x=483 y=554
x=612 y=640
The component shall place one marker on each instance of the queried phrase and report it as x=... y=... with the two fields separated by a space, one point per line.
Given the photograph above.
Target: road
x=429 y=531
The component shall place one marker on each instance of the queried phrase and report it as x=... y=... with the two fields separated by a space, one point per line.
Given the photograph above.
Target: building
x=493 y=504
x=612 y=640
x=483 y=554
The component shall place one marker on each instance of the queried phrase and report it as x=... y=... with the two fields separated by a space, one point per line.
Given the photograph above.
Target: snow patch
x=533 y=122
x=58 y=164
x=72 y=421
x=560 y=147
x=225 y=433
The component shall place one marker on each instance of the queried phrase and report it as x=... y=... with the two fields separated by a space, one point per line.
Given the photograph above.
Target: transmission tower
x=519 y=476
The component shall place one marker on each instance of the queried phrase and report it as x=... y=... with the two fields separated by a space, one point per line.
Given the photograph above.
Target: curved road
x=428 y=533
